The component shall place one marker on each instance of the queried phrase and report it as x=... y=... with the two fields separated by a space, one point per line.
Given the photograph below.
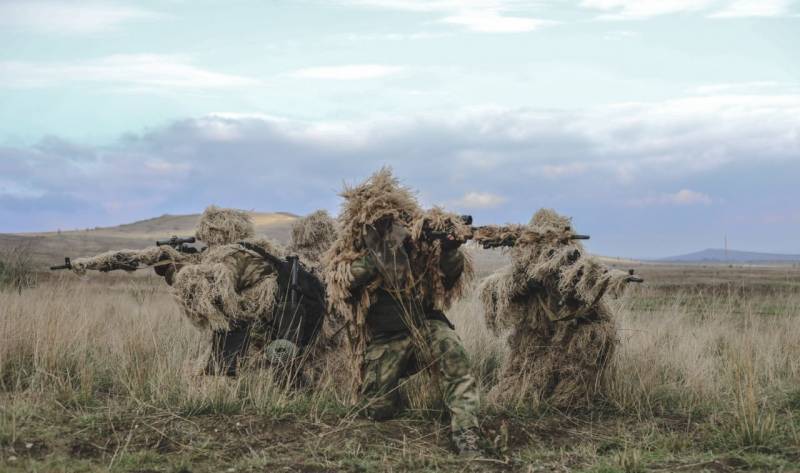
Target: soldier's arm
x=126 y=260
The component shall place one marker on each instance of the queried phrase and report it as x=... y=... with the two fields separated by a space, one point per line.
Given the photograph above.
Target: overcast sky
x=660 y=126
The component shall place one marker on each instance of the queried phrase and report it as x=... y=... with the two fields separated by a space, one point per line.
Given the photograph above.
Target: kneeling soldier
x=391 y=284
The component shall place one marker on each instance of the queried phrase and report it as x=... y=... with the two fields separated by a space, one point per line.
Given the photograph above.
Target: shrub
x=17 y=269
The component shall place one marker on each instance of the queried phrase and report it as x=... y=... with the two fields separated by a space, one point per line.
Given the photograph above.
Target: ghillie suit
x=388 y=286
x=229 y=289
x=312 y=236
x=551 y=298
x=218 y=226
x=249 y=284
x=243 y=291
x=223 y=290
x=228 y=284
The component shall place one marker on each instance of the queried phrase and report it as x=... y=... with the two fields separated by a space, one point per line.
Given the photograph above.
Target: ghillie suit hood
x=218 y=226
x=378 y=198
x=312 y=236
x=551 y=298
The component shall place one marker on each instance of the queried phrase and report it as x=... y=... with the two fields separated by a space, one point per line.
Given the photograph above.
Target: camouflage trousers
x=388 y=358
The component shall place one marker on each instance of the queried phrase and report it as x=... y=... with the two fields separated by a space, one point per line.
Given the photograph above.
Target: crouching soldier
x=237 y=288
x=390 y=285
x=255 y=300
x=552 y=298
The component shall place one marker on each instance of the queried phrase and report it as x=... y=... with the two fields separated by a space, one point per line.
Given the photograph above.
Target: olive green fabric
x=389 y=358
x=393 y=353
x=388 y=312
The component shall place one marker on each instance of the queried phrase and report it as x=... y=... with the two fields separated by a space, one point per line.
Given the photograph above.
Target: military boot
x=466 y=443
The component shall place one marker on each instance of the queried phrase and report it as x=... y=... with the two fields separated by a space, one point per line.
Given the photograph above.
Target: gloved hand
x=451 y=242
x=167 y=270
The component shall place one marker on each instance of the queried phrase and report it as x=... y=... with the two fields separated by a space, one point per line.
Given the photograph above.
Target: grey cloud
x=584 y=163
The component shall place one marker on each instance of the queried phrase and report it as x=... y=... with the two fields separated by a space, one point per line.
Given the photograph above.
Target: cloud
x=682 y=197
x=145 y=71
x=503 y=163
x=754 y=8
x=640 y=9
x=743 y=88
x=686 y=197
x=438 y=5
x=421 y=35
x=619 y=35
x=478 y=200
x=69 y=17
x=348 y=72
x=479 y=16
x=555 y=171
x=491 y=22
x=632 y=9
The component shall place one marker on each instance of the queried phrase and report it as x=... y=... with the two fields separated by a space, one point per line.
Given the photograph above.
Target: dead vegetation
x=17 y=271
x=98 y=375
x=552 y=299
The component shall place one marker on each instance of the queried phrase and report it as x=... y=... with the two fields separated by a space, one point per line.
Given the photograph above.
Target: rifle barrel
x=67 y=265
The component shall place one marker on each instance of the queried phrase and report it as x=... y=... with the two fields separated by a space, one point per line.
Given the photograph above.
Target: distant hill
x=51 y=247
x=717 y=255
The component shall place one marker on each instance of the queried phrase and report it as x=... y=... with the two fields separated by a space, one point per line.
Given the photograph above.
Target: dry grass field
x=97 y=375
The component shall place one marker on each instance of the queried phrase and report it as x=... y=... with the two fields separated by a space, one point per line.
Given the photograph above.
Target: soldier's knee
x=453 y=358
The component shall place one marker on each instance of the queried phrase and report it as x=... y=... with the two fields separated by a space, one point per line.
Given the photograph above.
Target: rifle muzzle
x=67 y=265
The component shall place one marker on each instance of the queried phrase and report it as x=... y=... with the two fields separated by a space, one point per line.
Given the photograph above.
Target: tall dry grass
x=81 y=342
x=86 y=343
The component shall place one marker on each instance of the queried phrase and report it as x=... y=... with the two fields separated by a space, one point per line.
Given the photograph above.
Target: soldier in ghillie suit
x=551 y=298
x=312 y=235
x=388 y=285
x=235 y=285
x=230 y=290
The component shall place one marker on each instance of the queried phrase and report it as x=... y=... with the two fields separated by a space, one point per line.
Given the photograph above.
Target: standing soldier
x=388 y=283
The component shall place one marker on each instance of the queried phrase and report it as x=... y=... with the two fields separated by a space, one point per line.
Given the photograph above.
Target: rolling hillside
x=716 y=255
x=51 y=247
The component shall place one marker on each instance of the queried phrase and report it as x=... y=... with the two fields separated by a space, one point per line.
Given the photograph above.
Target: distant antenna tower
x=726 y=248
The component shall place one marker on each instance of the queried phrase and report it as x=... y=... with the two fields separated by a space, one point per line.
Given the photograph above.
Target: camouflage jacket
x=390 y=313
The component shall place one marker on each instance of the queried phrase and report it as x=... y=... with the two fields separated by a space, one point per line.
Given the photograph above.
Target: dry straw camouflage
x=562 y=332
x=381 y=197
